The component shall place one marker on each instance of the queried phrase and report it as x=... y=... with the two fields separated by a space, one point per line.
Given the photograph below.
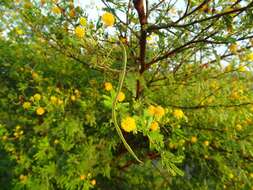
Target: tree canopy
x=151 y=95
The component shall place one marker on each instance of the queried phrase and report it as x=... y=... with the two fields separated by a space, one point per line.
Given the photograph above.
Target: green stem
x=114 y=117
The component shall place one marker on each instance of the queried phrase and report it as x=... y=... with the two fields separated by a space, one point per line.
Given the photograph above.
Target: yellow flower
x=121 y=97
x=228 y=68
x=159 y=111
x=80 y=32
x=19 y=31
x=5 y=138
x=40 y=111
x=206 y=143
x=251 y=175
x=77 y=93
x=154 y=126
x=241 y=68
x=16 y=134
x=235 y=95
x=233 y=48
x=83 y=21
x=93 y=182
x=194 y=139
x=108 y=86
x=238 y=127
x=56 y=10
x=35 y=75
x=128 y=124
x=231 y=176
x=37 y=97
x=26 y=105
x=18 y=127
x=156 y=111
x=73 y=98
x=82 y=177
x=108 y=19
x=60 y=102
x=23 y=178
x=250 y=56
x=56 y=141
x=178 y=113
x=53 y=100
x=151 y=110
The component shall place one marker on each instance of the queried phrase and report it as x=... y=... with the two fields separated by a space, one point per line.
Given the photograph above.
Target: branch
x=217 y=16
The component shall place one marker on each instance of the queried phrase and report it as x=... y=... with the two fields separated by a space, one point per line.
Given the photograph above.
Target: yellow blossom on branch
x=80 y=32
x=40 y=111
x=108 y=19
x=121 y=97
x=128 y=124
x=53 y=100
x=157 y=111
x=151 y=110
x=154 y=126
x=233 y=48
x=108 y=86
x=26 y=105
x=37 y=97
x=56 y=10
x=250 y=57
x=83 y=21
x=178 y=113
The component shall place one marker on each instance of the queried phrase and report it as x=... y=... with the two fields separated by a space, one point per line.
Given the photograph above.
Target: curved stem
x=114 y=117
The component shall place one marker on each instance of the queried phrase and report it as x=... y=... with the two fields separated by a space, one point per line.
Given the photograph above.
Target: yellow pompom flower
x=128 y=124
x=53 y=100
x=238 y=127
x=233 y=48
x=35 y=75
x=80 y=32
x=23 y=178
x=108 y=19
x=151 y=110
x=194 y=139
x=178 y=113
x=159 y=111
x=73 y=98
x=40 y=111
x=93 y=182
x=108 y=86
x=121 y=97
x=19 y=31
x=250 y=56
x=241 y=68
x=228 y=68
x=56 y=10
x=154 y=126
x=156 y=111
x=82 y=177
x=56 y=141
x=83 y=21
x=60 y=102
x=206 y=143
x=26 y=105
x=37 y=97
